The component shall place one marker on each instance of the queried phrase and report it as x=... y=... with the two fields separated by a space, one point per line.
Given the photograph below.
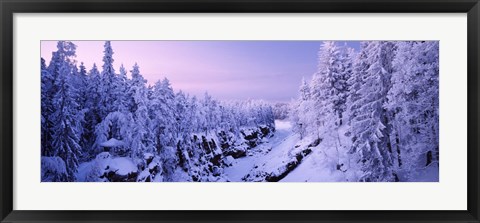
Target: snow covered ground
x=271 y=158
x=328 y=162
x=266 y=155
x=104 y=163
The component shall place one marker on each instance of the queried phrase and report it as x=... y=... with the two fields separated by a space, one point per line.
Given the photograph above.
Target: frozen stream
x=266 y=156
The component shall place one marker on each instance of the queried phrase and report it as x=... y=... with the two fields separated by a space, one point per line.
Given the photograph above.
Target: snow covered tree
x=162 y=114
x=122 y=99
x=123 y=73
x=180 y=108
x=371 y=126
x=305 y=91
x=92 y=112
x=81 y=82
x=164 y=126
x=414 y=103
x=211 y=111
x=360 y=67
x=303 y=111
x=136 y=92
x=60 y=116
x=142 y=139
x=322 y=91
x=281 y=110
x=334 y=69
x=82 y=70
x=116 y=125
x=194 y=107
x=182 y=128
x=66 y=136
x=322 y=106
x=47 y=94
x=341 y=85
x=65 y=53
x=109 y=87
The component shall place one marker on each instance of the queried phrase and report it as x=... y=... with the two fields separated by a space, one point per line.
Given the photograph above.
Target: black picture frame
x=9 y=7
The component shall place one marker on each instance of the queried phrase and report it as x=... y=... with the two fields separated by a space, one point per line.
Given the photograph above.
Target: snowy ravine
x=325 y=161
x=284 y=157
x=273 y=159
x=268 y=154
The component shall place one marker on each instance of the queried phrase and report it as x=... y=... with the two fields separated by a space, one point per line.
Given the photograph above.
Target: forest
x=366 y=115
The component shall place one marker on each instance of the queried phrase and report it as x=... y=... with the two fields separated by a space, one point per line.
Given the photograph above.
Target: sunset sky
x=269 y=70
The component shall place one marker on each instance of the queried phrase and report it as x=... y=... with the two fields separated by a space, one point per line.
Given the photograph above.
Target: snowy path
x=267 y=156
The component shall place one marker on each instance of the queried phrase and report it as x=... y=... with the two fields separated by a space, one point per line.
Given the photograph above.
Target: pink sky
x=270 y=70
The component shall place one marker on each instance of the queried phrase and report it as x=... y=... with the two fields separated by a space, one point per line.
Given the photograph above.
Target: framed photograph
x=233 y=111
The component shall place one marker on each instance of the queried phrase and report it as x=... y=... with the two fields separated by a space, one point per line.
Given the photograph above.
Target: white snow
x=319 y=166
x=143 y=175
x=229 y=160
x=90 y=171
x=83 y=170
x=124 y=165
x=148 y=156
x=112 y=143
x=329 y=161
x=283 y=125
x=54 y=164
x=266 y=156
x=52 y=168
